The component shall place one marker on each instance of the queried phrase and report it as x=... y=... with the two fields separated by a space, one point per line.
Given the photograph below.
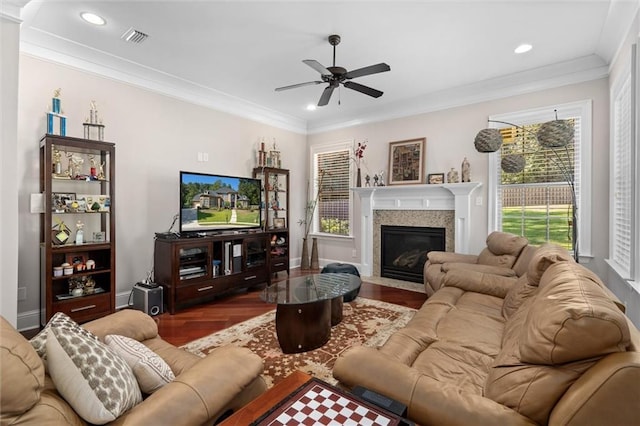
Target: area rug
x=365 y=322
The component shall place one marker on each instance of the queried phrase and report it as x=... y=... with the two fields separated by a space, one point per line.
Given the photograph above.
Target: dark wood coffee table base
x=303 y=327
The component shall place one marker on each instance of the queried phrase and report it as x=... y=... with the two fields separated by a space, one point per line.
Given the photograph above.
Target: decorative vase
x=304 y=261
x=358 y=179
x=315 y=264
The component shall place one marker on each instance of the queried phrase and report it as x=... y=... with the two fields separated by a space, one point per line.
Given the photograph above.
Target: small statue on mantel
x=466 y=170
x=452 y=176
x=367 y=180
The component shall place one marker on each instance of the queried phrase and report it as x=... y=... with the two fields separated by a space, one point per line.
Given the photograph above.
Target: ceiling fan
x=337 y=75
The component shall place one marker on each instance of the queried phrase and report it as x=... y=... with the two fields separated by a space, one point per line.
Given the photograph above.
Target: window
x=623 y=241
x=332 y=178
x=538 y=201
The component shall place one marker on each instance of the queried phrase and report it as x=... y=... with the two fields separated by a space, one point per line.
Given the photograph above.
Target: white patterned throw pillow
x=94 y=380
x=151 y=371
x=63 y=322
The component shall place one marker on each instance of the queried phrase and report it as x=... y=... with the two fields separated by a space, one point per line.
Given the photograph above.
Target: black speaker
x=147 y=300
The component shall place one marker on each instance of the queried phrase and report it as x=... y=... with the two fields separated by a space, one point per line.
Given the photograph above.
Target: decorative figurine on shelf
x=466 y=170
x=381 y=174
x=274 y=156
x=57 y=162
x=60 y=232
x=101 y=175
x=92 y=170
x=375 y=180
x=69 y=171
x=76 y=163
x=56 y=113
x=452 y=176
x=79 y=232
x=367 y=181
x=262 y=154
x=93 y=127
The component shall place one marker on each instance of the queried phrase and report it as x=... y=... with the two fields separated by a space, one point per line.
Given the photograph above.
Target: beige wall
x=450 y=135
x=156 y=136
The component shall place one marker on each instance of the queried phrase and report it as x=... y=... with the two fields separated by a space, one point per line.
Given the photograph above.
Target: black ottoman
x=344 y=268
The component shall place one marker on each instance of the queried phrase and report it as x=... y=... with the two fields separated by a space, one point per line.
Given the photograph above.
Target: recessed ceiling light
x=92 y=18
x=311 y=107
x=523 y=48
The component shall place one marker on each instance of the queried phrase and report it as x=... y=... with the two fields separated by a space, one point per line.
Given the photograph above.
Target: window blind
x=332 y=170
x=622 y=182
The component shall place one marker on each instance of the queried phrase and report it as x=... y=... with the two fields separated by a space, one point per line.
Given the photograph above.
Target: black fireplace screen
x=405 y=248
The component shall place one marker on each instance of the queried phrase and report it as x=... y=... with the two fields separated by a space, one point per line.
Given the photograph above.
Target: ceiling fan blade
x=326 y=95
x=371 y=69
x=293 y=86
x=317 y=66
x=363 y=89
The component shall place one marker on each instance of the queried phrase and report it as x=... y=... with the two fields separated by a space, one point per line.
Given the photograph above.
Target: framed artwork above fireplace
x=406 y=161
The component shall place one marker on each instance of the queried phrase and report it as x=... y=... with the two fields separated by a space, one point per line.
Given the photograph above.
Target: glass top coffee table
x=307 y=307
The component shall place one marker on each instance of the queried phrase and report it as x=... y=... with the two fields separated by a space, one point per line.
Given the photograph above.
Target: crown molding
x=10 y=10
x=49 y=47
x=84 y=58
x=553 y=76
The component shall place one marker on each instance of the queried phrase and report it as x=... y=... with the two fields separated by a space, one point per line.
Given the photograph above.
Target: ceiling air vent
x=134 y=36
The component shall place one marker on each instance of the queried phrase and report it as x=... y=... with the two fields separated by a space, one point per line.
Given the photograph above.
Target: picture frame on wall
x=435 y=178
x=406 y=161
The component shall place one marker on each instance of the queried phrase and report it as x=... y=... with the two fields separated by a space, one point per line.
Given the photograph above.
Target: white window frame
x=315 y=150
x=626 y=81
x=583 y=109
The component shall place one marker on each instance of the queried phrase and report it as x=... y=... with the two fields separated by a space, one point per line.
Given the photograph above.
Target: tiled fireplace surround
x=442 y=206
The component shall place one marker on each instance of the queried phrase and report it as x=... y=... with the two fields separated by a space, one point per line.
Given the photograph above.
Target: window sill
x=633 y=284
x=322 y=236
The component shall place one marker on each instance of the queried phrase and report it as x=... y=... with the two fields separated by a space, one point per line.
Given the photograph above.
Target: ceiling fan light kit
x=335 y=76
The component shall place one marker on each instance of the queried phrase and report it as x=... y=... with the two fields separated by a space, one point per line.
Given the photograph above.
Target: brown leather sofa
x=204 y=388
x=553 y=347
x=506 y=255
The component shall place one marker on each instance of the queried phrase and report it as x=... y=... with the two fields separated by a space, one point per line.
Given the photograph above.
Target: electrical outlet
x=22 y=293
x=354 y=253
x=205 y=156
x=478 y=201
x=200 y=156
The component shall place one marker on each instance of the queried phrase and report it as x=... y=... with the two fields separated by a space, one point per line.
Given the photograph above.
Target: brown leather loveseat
x=552 y=348
x=202 y=391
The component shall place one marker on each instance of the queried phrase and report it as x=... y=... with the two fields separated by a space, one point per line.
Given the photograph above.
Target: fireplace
x=404 y=250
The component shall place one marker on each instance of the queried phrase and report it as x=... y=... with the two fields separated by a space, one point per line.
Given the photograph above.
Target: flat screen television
x=211 y=202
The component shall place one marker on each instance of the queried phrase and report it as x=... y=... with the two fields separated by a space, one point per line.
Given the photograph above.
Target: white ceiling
x=231 y=55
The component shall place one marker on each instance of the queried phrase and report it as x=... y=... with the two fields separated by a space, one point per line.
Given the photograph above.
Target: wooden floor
x=201 y=320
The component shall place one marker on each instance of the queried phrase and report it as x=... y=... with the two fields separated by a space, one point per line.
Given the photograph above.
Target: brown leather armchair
x=506 y=255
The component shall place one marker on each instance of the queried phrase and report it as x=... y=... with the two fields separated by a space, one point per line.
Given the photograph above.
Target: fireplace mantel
x=448 y=196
